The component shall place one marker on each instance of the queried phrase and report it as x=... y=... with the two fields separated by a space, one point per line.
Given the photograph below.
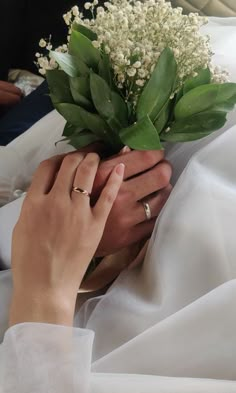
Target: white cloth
x=166 y=327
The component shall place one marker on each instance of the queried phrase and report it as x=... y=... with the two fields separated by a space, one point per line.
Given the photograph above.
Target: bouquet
x=136 y=74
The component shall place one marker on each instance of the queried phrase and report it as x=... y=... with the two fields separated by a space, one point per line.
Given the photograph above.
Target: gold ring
x=147 y=210
x=81 y=191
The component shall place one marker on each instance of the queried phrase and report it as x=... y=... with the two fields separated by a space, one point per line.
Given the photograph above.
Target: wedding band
x=147 y=210
x=81 y=191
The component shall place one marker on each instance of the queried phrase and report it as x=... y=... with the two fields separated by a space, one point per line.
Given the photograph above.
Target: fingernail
x=120 y=169
x=125 y=149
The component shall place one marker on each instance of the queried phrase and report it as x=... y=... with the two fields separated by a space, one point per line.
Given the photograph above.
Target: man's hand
x=9 y=94
x=147 y=177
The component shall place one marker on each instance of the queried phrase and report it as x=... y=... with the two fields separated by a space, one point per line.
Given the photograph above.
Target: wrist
x=41 y=309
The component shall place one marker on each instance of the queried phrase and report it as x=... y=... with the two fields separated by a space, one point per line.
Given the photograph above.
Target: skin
x=48 y=269
x=10 y=95
x=147 y=177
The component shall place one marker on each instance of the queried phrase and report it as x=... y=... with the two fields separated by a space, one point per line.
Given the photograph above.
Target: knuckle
x=164 y=173
x=151 y=158
x=70 y=160
x=89 y=162
x=93 y=157
x=86 y=168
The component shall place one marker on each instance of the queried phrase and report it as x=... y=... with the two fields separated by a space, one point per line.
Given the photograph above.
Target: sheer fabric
x=167 y=326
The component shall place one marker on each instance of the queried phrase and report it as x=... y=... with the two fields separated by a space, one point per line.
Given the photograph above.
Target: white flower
x=75 y=10
x=131 y=72
x=140 y=82
x=42 y=71
x=137 y=64
x=96 y=44
x=42 y=43
x=134 y=34
x=88 y=5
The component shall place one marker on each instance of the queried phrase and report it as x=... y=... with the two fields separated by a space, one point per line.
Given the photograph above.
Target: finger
x=65 y=177
x=9 y=99
x=10 y=88
x=108 y=196
x=44 y=177
x=135 y=162
x=154 y=180
x=85 y=174
x=143 y=230
x=125 y=150
x=155 y=203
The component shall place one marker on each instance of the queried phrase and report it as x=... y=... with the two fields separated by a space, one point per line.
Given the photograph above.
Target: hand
x=9 y=94
x=56 y=237
x=147 y=177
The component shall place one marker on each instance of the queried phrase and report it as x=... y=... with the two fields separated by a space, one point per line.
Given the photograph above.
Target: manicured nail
x=125 y=149
x=120 y=169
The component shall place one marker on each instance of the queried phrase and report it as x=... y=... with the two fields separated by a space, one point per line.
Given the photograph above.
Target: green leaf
x=195 y=127
x=82 y=139
x=120 y=108
x=82 y=48
x=141 y=135
x=82 y=68
x=85 y=31
x=71 y=113
x=69 y=130
x=110 y=105
x=163 y=117
x=203 y=78
x=159 y=87
x=206 y=97
x=183 y=137
x=58 y=83
x=101 y=96
x=105 y=71
x=81 y=85
x=66 y=62
x=78 y=116
x=179 y=95
x=226 y=98
x=80 y=91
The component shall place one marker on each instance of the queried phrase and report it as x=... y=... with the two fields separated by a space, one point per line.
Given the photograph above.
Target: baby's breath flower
x=140 y=82
x=96 y=44
x=131 y=71
x=75 y=10
x=137 y=64
x=42 y=43
x=134 y=34
x=88 y=5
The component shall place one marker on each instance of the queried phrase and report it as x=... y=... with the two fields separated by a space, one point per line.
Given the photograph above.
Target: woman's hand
x=56 y=237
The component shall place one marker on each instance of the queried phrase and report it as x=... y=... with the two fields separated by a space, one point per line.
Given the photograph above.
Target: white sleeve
x=44 y=358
